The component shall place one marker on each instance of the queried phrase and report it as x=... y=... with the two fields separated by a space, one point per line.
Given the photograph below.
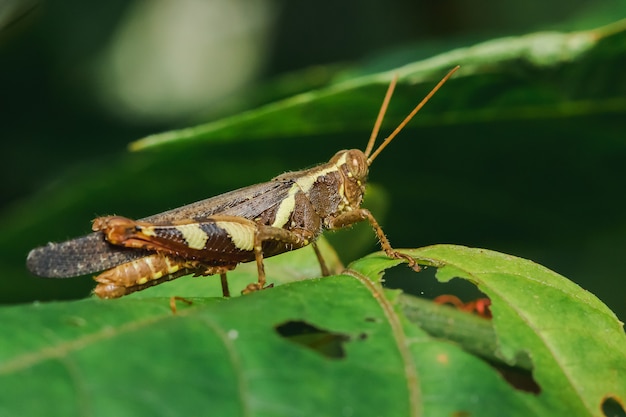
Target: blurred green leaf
x=558 y=54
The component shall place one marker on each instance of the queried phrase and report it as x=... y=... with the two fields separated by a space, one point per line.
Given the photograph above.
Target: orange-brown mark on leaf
x=443 y=359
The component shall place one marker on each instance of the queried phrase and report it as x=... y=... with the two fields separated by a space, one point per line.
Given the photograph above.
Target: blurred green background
x=80 y=81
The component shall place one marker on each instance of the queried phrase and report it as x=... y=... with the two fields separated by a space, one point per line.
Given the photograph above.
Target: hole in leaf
x=459 y=293
x=425 y=285
x=518 y=378
x=480 y=306
x=612 y=407
x=328 y=344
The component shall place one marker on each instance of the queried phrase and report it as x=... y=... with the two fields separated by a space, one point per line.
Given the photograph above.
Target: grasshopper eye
x=357 y=164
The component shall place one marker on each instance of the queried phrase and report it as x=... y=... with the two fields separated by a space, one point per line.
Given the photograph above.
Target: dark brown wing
x=91 y=253
x=80 y=256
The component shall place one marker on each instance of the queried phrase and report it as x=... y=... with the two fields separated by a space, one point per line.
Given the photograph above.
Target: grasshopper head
x=354 y=168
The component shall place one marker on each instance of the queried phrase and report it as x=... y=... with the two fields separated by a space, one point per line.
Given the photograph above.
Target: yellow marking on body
x=169 y=268
x=286 y=207
x=136 y=268
x=148 y=231
x=194 y=236
x=303 y=184
x=344 y=200
x=241 y=234
x=306 y=182
x=157 y=272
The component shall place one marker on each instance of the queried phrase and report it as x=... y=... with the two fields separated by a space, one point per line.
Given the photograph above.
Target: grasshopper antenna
x=406 y=120
x=381 y=115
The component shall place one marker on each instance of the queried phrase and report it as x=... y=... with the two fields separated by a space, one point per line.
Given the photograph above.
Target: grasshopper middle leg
x=288 y=239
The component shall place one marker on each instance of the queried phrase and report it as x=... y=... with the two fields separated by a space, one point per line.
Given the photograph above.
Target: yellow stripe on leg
x=194 y=236
x=241 y=234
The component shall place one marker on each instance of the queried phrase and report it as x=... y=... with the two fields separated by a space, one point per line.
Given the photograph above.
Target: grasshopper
x=213 y=236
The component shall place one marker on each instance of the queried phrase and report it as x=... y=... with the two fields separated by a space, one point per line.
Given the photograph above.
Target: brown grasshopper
x=213 y=236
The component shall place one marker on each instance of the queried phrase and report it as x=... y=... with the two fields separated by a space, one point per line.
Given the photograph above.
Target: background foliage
x=515 y=154
x=522 y=152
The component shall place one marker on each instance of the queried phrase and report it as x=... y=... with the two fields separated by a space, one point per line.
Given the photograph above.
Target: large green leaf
x=320 y=347
x=565 y=331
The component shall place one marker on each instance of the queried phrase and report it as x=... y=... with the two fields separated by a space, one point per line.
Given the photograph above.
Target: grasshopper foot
x=412 y=263
x=255 y=286
x=173 y=303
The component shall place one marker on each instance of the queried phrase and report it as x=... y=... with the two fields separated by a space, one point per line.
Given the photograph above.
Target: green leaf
x=547 y=54
x=576 y=344
x=319 y=347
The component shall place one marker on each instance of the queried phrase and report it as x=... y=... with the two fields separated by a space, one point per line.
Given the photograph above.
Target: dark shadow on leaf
x=518 y=378
x=328 y=344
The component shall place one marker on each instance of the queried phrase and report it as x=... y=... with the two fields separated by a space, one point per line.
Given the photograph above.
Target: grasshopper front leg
x=350 y=217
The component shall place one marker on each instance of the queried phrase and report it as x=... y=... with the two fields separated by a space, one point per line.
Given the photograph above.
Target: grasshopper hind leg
x=211 y=246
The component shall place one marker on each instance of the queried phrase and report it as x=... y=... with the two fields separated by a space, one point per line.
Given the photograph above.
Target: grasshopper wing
x=92 y=253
